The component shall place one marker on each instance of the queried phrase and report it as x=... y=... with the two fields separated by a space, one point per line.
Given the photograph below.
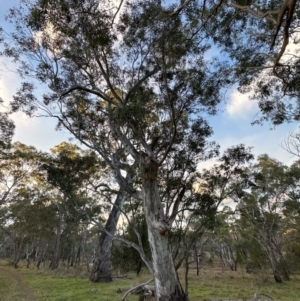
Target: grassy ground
x=72 y=285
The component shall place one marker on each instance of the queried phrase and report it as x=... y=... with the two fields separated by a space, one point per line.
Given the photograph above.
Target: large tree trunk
x=167 y=285
x=275 y=270
x=274 y=264
x=273 y=251
x=101 y=271
x=284 y=269
x=277 y=260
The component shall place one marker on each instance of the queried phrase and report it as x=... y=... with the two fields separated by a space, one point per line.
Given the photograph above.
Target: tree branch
x=287 y=8
x=256 y=13
x=135 y=288
x=176 y=205
x=81 y=88
x=116 y=13
x=179 y=9
x=139 y=82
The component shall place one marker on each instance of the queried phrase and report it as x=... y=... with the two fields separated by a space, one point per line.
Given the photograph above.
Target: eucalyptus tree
x=203 y=193
x=227 y=179
x=68 y=171
x=86 y=53
x=85 y=180
x=248 y=250
x=29 y=223
x=291 y=218
x=18 y=166
x=221 y=183
x=263 y=208
x=225 y=237
x=21 y=196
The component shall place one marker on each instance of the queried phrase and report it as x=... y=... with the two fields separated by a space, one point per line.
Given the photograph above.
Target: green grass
x=73 y=285
x=7 y=288
x=217 y=284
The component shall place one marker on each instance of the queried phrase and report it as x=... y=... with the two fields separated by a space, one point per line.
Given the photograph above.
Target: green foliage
x=128 y=259
x=68 y=169
x=7 y=128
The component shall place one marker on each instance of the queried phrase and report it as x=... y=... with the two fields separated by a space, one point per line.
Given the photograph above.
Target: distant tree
x=292 y=143
x=18 y=164
x=30 y=224
x=263 y=208
x=248 y=250
x=225 y=238
x=68 y=171
x=292 y=218
x=22 y=196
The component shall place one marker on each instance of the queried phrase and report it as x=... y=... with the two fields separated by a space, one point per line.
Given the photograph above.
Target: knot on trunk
x=162 y=226
x=149 y=167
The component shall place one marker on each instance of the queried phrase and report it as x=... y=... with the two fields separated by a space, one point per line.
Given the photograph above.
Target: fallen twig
x=135 y=288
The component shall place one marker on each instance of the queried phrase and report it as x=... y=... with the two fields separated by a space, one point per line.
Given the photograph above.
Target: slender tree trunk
x=77 y=259
x=56 y=253
x=68 y=262
x=101 y=271
x=186 y=273
x=285 y=270
x=167 y=285
x=30 y=255
x=283 y=266
x=18 y=252
x=274 y=254
x=41 y=256
x=72 y=258
x=197 y=260
x=230 y=258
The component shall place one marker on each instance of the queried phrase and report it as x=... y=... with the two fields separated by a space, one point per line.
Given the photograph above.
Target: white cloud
x=264 y=141
x=292 y=49
x=206 y=164
x=39 y=132
x=240 y=105
x=8 y=83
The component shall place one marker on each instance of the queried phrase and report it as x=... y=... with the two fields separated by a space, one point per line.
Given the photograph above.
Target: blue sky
x=231 y=126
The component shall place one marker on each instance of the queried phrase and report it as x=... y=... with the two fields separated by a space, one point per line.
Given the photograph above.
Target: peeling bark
x=167 y=285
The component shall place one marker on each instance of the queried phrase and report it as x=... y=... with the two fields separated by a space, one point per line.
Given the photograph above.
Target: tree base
x=100 y=278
